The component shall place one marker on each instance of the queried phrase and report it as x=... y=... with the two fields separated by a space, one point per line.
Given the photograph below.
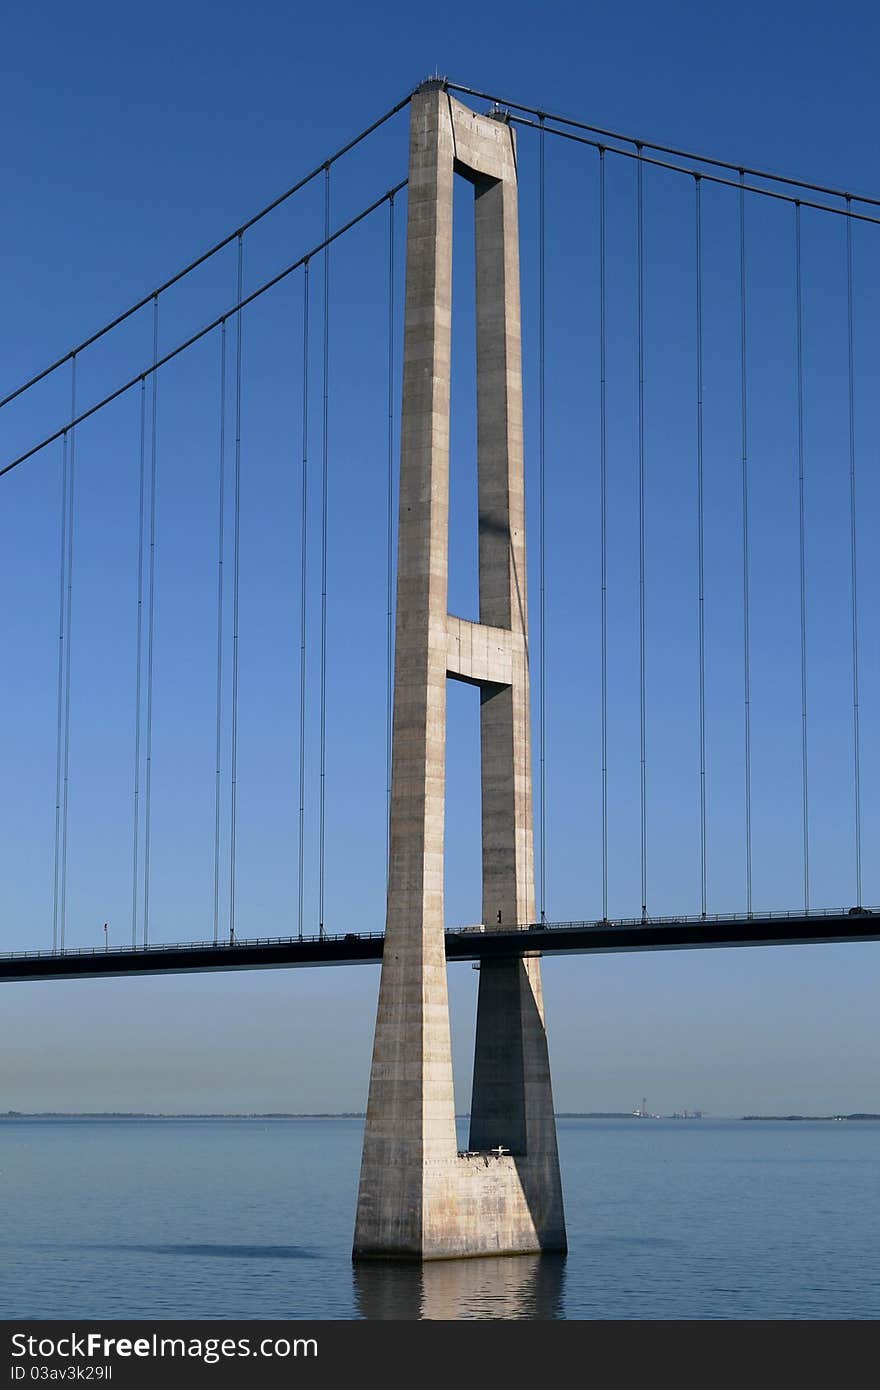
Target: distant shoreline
x=258 y=1115
x=360 y=1115
x=277 y=1115
x=265 y=1115
x=858 y=1116
x=181 y=1115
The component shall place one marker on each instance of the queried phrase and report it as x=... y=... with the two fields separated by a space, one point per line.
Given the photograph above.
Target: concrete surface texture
x=419 y=1197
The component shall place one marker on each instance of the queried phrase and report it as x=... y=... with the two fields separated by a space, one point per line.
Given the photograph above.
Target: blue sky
x=133 y=143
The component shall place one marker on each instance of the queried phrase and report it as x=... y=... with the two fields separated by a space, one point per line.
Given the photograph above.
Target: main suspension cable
x=857 y=761
x=201 y=333
x=645 y=159
x=207 y=255
x=701 y=541
x=653 y=145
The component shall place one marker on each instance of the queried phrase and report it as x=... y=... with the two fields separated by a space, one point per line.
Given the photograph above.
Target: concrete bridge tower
x=420 y=1198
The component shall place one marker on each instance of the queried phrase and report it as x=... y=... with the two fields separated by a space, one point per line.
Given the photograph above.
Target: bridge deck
x=467 y=943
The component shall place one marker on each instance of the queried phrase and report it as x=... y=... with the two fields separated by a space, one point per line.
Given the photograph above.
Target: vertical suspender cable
x=151 y=621
x=303 y=606
x=324 y=474
x=236 y=570
x=218 y=702
x=701 y=540
x=857 y=761
x=71 y=459
x=802 y=549
x=389 y=557
x=603 y=544
x=747 y=730
x=62 y=577
x=542 y=515
x=640 y=218
x=138 y=681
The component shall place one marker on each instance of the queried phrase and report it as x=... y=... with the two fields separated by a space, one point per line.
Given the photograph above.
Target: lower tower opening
x=462 y=886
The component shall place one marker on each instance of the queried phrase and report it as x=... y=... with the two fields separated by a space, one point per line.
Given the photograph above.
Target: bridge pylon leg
x=419 y=1196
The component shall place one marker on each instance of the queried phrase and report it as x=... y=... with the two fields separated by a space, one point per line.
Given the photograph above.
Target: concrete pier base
x=419 y=1197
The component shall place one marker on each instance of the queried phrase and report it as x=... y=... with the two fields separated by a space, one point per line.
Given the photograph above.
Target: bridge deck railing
x=587 y=924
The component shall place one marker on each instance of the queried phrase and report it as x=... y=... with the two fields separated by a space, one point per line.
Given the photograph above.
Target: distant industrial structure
x=642 y=1112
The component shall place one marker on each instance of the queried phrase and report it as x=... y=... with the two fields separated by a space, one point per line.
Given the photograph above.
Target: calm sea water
x=253 y=1219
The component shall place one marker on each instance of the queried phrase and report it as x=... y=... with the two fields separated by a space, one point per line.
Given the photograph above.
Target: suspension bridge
x=248 y=633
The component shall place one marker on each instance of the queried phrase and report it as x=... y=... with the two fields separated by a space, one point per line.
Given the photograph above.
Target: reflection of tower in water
x=520 y=1286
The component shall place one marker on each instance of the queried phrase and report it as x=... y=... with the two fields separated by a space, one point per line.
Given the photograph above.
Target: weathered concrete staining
x=418 y=1197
